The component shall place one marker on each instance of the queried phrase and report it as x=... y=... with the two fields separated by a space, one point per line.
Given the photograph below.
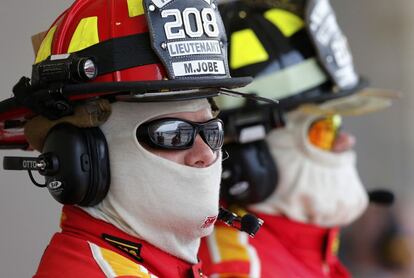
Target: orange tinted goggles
x=322 y=132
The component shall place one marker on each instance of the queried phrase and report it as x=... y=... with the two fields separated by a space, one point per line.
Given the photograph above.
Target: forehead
x=197 y=116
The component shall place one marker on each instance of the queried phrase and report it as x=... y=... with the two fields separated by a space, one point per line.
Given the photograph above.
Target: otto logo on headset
x=29 y=164
x=188 y=36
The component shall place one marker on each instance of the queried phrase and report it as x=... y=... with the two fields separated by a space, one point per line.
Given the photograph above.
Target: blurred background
x=381 y=36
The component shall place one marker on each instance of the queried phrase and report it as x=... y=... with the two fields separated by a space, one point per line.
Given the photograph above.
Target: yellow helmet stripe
x=115 y=265
x=45 y=49
x=287 y=22
x=85 y=35
x=135 y=8
x=246 y=49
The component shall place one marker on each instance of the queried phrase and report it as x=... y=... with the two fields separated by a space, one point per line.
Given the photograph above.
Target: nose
x=200 y=155
x=344 y=142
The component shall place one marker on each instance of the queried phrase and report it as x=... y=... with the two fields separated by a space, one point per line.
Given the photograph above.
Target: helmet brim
x=158 y=90
x=141 y=91
x=364 y=101
x=13 y=114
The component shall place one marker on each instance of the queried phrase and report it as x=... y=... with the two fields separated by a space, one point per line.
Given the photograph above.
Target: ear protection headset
x=83 y=164
x=249 y=173
x=75 y=163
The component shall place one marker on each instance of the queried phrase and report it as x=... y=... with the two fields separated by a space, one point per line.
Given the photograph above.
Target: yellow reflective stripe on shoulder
x=287 y=22
x=45 y=49
x=246 y=49
x=335 y=245
x=225 y=241
x=85 y=35
x=228 y=244
x=135 y=8
x=114 y=265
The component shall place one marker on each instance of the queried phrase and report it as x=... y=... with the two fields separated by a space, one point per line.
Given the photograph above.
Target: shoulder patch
x=132 y=249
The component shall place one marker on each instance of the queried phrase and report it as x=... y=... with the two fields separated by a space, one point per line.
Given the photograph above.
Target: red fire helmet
x=128 y=50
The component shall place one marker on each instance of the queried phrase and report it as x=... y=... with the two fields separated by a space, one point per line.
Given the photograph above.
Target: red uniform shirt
x=88 y=247
x=281 y=248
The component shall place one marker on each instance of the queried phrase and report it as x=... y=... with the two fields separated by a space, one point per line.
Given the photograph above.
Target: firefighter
x=118 y=105
x=295 y=170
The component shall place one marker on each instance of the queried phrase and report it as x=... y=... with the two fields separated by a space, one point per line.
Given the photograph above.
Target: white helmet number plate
x=188 y=37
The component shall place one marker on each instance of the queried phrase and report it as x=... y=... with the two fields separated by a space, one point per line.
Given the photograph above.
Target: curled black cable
x=34 y=181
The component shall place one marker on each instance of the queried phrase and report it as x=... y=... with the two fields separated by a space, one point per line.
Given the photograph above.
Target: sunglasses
x=323 y=132
x=179 y=134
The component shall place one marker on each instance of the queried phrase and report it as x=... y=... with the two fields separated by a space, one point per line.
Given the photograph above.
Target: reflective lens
x=178 y=134
x=213 y=134
x=322 y=132
x=171 y=133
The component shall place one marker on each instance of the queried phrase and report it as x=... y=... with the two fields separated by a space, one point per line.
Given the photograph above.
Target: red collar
x=303 y=239
x=78 y=223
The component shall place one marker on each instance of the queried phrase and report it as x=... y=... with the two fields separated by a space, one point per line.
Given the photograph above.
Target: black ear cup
x=100 y=178
x=249 y=174
x=83 y=175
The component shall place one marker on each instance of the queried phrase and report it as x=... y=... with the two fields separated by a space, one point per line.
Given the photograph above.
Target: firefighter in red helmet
x=118 y=105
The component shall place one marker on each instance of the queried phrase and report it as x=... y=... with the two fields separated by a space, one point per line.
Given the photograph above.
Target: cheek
x=175 y=156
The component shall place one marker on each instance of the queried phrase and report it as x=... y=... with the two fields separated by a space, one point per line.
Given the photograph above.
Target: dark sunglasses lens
x=214 y=134
x=171 y=133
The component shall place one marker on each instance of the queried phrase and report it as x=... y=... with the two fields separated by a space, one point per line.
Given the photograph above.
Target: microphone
x=381 y=197
x=249 y=223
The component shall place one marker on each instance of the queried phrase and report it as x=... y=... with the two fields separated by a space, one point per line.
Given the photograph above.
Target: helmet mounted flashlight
x=64 y=68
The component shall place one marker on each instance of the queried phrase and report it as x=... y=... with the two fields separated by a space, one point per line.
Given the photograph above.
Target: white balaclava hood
x=162 y=202
x=315 y=186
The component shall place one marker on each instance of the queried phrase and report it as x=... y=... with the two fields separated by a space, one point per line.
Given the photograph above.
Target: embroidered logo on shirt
x=209 y=221
x=132 y=249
